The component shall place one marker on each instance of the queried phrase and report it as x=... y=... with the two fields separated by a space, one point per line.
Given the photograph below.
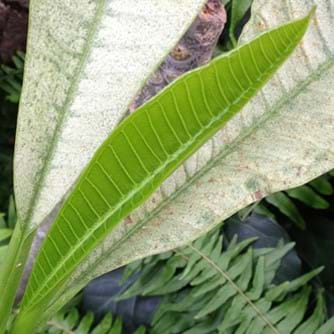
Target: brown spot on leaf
x=128 y=221
x=258 y=195
x=260 y=24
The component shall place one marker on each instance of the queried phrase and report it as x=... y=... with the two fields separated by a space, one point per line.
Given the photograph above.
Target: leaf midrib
x=145 y=182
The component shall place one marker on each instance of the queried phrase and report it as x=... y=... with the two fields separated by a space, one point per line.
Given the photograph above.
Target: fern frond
x=312 y=195
x=208 y=290
x=69 y=322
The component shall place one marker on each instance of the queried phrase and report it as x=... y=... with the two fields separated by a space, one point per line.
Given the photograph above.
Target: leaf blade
x=176 y=148
x=250 y=162
x=86 y=42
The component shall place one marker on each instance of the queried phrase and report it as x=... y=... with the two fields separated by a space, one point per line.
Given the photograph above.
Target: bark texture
x=194 y=49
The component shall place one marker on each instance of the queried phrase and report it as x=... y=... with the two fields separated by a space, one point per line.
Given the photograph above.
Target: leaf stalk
x=10 y=278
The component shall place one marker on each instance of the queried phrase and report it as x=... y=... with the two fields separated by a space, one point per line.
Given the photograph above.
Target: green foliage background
x=306 y=213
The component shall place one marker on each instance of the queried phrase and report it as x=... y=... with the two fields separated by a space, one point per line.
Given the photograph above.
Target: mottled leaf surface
x=85 y=62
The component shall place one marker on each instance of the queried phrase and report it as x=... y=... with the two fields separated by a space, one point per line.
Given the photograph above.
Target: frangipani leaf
x=86 y=60
x=282 y=139
x=147 y=147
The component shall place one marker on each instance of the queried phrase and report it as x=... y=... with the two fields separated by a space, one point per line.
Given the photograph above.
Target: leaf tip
x=312 y=12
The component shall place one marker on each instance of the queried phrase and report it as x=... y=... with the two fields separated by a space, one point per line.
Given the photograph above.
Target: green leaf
x=11 y=78
x=146 y=148
x=3 y=223
x=85 y=324
x=3 y=253
x=104 y=326
x=327 y=328
x=282 y=139
x=140 y=330
x=316 y=319
x=323 y=185
x=83 y=68
x=306 y=195
x=68 y=322
x=283 y=203
x=238 y=11
x=283 y=289
x=5 y=233
x=11 y=217
x=289 y=314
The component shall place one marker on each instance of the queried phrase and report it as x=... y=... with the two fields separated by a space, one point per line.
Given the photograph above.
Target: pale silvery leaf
x=85 y=62
x=283 y=138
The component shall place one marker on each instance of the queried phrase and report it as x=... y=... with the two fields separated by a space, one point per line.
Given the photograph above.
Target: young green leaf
x=85 y=62
x=145 y=149
x=283 y=138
